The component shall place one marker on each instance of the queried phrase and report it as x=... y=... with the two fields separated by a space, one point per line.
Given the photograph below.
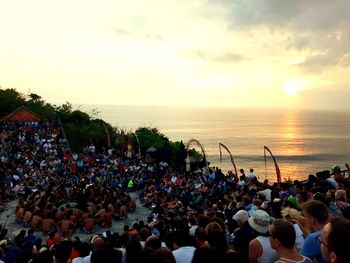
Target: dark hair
x=200 y=233
x=163 y=255
x=43 y=257
x=320 y=197
x=133 y=250
x=181 y=238
x=84 y=249
x=303 y=196
x=233 y=256
x=346 y=212
x=317 y=210
x=284 y=232
x=217 y=240
x=106 y=255
x=144 y=233
x=206 y=255
x=338 y=237
x=153 y=242
x=203 y=221
x=63 y=251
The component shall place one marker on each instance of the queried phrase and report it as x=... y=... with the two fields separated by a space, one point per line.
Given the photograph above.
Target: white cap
x=241 y=216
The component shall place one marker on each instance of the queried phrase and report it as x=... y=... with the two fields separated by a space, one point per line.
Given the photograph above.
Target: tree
x=10 y=100
x=149 y=137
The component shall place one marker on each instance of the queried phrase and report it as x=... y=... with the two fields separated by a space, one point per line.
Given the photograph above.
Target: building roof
x=23 y=114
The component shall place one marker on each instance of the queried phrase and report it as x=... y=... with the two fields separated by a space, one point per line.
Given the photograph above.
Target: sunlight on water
x=303 y=142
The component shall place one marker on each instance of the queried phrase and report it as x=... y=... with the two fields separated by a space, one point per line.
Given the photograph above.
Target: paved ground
x=140 y=213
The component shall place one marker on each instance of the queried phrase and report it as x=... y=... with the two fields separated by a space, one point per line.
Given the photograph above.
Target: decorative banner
x=232 y=161
x=197 y=143
x=278 y=172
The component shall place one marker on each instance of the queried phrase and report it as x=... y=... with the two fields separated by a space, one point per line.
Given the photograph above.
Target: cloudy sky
x=211 y=53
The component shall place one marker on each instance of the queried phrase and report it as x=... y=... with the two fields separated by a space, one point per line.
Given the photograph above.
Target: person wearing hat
x=244 y=234
x=260 y=250
x=338 y=176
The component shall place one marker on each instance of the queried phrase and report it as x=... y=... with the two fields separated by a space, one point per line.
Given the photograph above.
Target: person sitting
x=66 y=226
x=334 y=241
x=37 y=222
x=299 y=223
x=183 y=251
x=282 y=239
x=27 y=218
x=88 y=224
x=52 y=240
x=106 y=218
x=244 y=234
x=20 y=210
x=260 y=250
x=316 y=214
x=49 y=225
x=62 y=251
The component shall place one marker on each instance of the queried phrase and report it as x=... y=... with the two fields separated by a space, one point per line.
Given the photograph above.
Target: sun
x=292 y=87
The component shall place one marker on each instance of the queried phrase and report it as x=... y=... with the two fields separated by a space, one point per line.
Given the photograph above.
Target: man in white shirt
x=183 y=251
x=251 y=174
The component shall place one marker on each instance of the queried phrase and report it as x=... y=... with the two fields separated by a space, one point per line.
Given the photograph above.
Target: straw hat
x=290 y=212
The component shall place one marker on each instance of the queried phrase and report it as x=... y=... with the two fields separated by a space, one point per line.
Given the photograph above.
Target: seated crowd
x=198 y=216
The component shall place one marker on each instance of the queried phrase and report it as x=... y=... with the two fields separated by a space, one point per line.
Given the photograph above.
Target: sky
x=201 y=53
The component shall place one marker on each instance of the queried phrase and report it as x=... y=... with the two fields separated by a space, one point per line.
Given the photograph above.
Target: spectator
x=316 y=214
x=260 y=250
x=163 y=255
x=183 y=251
x=206 y=255
x=335 y=241
x=244 y=234
x=282 y=239
x=63 y=251
x=299 y=223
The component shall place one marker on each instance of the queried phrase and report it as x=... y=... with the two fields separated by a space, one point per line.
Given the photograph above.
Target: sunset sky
x=208 y=53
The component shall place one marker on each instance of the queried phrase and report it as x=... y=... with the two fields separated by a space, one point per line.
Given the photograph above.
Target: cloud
x=332 y=49
x=129 y=33
x=229 y=57
x=321 y=29
x=252 y=13
x=123 y=32
x=225 y=57
x=309 y=15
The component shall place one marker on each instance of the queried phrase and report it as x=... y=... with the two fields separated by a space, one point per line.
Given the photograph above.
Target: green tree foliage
x=82 y=129
x=64 y=111
x=79 y=126
x=171 y=152
x=82 y=135
x=36 y=104
x=178 y=153
x=10 y=100
x=148 y=137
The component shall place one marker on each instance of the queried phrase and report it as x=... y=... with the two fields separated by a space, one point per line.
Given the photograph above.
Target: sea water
x=303 y=141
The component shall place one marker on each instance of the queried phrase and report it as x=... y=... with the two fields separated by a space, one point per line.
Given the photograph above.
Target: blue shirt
x=312 y=248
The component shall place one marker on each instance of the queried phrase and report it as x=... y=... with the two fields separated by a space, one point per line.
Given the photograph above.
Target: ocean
x=303 y=141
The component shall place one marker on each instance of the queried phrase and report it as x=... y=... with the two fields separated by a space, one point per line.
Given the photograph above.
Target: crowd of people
x=197 y=216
